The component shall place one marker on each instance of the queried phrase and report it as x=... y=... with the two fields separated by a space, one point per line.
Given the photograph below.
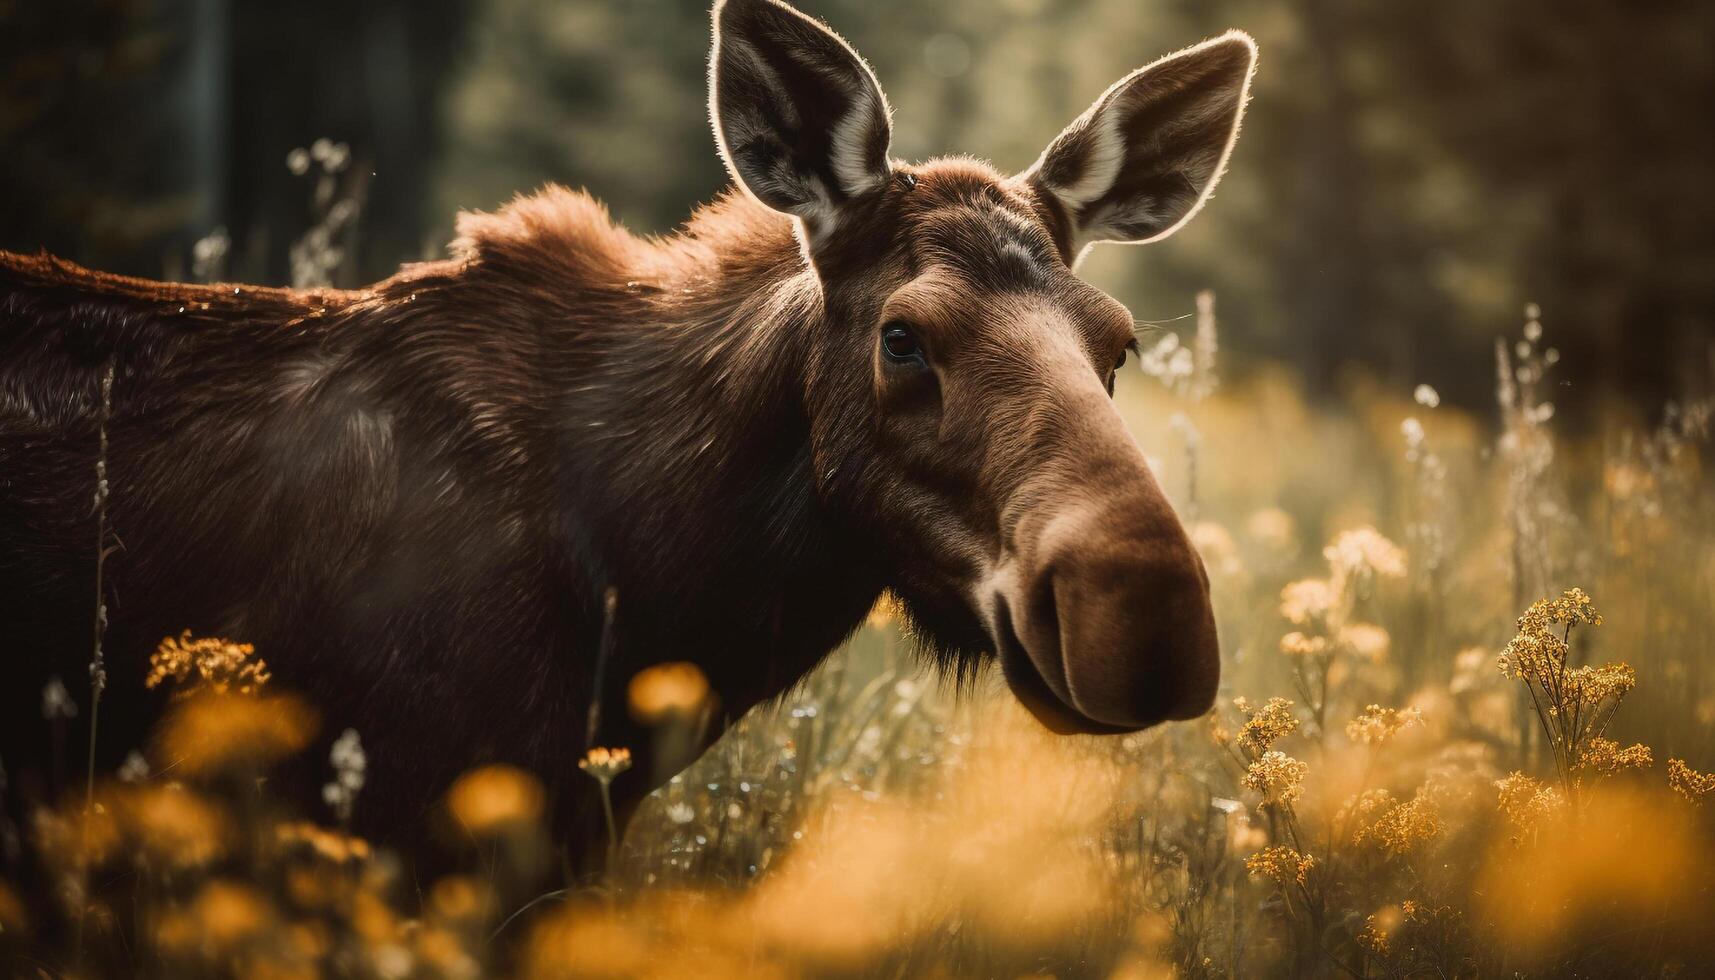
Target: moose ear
x=1143 y=158
x=800 y=120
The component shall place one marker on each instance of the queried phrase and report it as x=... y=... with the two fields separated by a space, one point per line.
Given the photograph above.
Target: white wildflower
x=57 y=704
x=349 y=766
x=134 y=769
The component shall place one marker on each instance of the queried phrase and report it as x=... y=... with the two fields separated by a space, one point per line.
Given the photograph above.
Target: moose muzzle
x=1105 y=624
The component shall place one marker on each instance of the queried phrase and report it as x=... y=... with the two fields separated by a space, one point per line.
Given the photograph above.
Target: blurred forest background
x=1411 y=174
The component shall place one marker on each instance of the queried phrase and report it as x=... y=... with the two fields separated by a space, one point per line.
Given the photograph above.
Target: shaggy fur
x=412 y=498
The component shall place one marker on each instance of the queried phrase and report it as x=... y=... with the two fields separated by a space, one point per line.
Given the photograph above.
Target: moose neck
x=684 y=452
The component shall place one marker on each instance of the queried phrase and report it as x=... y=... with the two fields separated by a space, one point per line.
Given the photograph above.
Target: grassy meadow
x=1466 y=728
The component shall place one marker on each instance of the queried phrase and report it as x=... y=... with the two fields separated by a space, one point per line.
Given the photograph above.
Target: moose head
x=959 y=389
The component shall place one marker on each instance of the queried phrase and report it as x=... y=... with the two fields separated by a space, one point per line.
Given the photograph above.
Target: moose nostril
x=1043 y=613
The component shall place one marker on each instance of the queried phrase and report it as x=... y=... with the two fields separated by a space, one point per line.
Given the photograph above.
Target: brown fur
x=413 y=497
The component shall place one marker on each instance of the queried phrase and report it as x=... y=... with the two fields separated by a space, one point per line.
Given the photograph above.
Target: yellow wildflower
x=459 y=898
x=1526 y=802
x=1366 y=640
x=1359 y=812
x=1308 y=601
x=1281 y=864
x=1278 y=777
x=1537 y=651
x=669 y=691
x=441 y=950
x=1534 y=654
x=605 y=764
x=1573 y=704
x=1377 y=724
x=1688 y=782
x=1594 y=685
x=173 y=827
x=1267 y=724
x=212 y=732
x=209 y=663
x=1404 y=826
x=495 y=798
x=1573 y=606
x=223 y=916
x=1296 y=644
x=326 y=845
x=1362 y=552
x=1604 y=757
x=1379 y=927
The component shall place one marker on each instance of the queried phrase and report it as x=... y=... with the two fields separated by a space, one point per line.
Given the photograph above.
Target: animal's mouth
x=1032 y=689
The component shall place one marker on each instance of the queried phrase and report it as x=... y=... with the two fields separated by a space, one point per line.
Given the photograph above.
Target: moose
x=459 y=508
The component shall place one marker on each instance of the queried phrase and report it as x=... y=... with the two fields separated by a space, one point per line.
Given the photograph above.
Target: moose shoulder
x=846 y=375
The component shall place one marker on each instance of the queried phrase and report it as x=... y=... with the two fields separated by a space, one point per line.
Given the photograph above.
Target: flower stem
x=98 y=660
x=612 y=826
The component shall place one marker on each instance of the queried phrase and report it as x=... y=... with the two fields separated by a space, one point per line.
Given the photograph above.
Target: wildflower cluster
x=1366 y=641
x=1688 y=782
x=1265 y=725
x=1605 y=757
x=1309 y=602
x=1376 y=725
x=1402 y=827
x=1573 y=704
x=1323 y=612
x=1360 y=811
x=1536 y=653
x=210 y=664
x=1169 y=361
x=165 y=828
x=1282 y=865
x=350 y=765
x=1527 y=802
x=1358 y=556
x=1278 y=777
x=1275 y=775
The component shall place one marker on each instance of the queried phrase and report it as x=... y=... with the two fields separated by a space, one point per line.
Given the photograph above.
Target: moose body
x=380 y=491
x=417 y=500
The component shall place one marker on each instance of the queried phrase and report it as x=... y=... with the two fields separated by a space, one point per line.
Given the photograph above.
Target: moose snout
x=1118 y=627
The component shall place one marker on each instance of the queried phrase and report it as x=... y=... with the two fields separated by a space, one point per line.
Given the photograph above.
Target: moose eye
x=1121 y=362
x=900 y=345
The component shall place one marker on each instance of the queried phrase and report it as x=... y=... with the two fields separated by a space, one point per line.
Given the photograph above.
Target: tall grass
x=1432 y=755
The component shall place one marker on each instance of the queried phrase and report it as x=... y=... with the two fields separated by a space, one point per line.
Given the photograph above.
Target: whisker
x=1150 y=328
x=1139 y=322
